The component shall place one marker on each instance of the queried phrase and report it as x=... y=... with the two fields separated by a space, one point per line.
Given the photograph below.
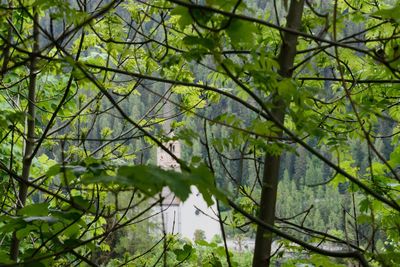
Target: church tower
x=164 y=160
x=183 y=218
x=171 y=205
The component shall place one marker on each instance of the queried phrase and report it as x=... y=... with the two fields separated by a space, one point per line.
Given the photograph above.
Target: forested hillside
x=287 y=114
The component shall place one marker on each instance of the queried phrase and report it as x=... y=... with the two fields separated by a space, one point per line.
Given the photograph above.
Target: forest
x=282 y=115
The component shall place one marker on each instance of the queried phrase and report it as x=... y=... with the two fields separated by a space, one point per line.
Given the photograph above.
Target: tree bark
x=30 y=131
x=263 y=244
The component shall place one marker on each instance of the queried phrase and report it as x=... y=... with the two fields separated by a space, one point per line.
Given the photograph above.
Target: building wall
x=197 y=216
x=164 y=160
x=172 y=219
x=193 y=214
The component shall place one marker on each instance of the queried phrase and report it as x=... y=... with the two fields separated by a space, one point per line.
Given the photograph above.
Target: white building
x=184 y=218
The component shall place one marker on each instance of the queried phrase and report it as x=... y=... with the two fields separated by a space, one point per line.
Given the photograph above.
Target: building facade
x=184 y=218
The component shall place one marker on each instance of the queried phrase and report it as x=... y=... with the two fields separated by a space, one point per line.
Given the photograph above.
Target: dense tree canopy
x=300 y=93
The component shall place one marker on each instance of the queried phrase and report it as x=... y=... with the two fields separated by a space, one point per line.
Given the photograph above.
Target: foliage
x=91 y=89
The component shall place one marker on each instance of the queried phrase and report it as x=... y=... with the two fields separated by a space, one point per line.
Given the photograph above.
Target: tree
x=67 y=136
x=331 y=115
x=262 y=251
x=83 y=90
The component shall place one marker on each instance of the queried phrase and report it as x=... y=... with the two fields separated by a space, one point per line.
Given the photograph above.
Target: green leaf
x=203 y=179
x=23 y=232
x=204 y=243
x=320 y=260
x=390 y=13
x=11 y=224
x=150 y=180
x=72 y=231
x=5 y=257
x=184 y=253
x=53 y=170
x=224 y=4
x=196 y=41
x=185 y=18
x=262 y=127
x=364 y=205
x=201 y=16
x=286 y=88
x=241 y=32
x=40 y=209
x=84 y=203
x=66 y=215
x=196 y=159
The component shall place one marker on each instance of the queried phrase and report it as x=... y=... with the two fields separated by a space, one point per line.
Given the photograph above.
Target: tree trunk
x=30 y=131
x=262 y=250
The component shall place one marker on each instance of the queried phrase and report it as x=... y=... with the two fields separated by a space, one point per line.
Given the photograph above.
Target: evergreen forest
x=286 y=113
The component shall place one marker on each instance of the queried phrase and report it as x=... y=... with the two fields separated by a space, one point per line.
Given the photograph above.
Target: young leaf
x=39 y=209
